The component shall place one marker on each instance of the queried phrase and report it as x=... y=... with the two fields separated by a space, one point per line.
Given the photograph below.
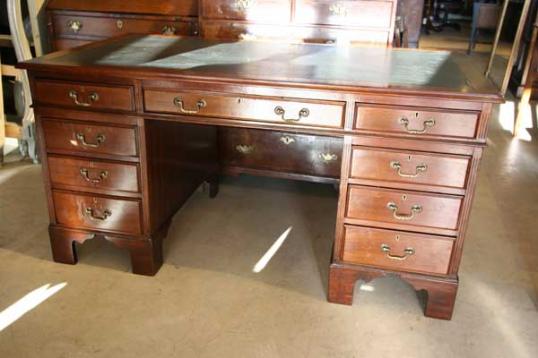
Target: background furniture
x=411 y=12
x=485 y=17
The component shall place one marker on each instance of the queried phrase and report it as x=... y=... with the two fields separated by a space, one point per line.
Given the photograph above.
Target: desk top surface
x=309 y=65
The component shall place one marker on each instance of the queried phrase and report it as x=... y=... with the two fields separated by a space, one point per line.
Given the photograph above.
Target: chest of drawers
x=125 y=143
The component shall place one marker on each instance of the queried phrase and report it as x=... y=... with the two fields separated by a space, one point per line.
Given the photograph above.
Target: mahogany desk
x=129 y=128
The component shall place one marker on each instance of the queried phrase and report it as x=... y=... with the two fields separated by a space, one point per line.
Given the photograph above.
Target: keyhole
x=404 y=197
x=397 y=238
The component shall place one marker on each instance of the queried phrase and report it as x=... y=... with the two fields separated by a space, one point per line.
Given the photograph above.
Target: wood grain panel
x=97 y=213
x=176 y=7
x=261 y=11
x=387 y=249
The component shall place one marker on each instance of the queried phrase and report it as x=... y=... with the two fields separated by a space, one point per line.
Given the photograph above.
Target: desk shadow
x=233 y=232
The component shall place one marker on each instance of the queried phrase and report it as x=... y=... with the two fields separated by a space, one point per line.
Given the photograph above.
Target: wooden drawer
x=92 y=174
x=297 y=112
x=410 y=167
x=416 y=122
x=76 y=25
x=84 y=95
x=97 y=213
x=395 y=250
x=372 y=14
x=261 y=11
x=66 y=136
x=66 y=44
x=285 y=152
x=416 y=211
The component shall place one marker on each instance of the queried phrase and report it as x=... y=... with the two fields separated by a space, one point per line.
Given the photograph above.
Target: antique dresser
x=129 y=129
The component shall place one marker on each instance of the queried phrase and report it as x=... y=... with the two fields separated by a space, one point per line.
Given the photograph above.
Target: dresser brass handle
x=287 y=140
x=91 y=213
x=421 y=168
x=178 y=102
x=425 y=125
x=168 y=30
x=92 y=97
x=338 y=10
x=74 y=25
x=244 y=4
x=119 y=24
x=99 y=139
x=328 y=157
x=303 y=113
x=407 y=252
x=244 y=149
x=415 y=209
x=85 y=173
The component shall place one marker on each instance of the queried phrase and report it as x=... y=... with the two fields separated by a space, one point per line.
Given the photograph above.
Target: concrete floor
x=207 y=301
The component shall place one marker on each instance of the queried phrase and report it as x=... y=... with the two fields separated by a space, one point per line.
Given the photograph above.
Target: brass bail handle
x=91 y=213
x=85 y=173
x=407 y=252
x=178 y=102
x=99 y=139
x=92 y=98
x=430 y=123
x=415 y=209
x=421 y=168
x=280 y=111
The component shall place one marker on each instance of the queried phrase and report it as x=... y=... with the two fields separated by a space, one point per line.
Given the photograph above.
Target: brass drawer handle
x=91 y=213
x=338 y=10
x=328 y=157
x=244 y=4
x=85 y=173
x=178 y=102
x=421 y=168
x=99 y=139
x=303 y=113
x=92 y=98
x=74 y=25
x=168 y=30
x=430 y=123
x=415 y=209
x=244 y=149
x=407 y=252
x=287 y=140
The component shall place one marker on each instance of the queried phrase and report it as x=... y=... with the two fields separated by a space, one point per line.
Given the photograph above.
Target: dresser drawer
x=98 y=213
x=417 y=211
x=84 y=96
x=372 y=14
x=82 y=137
x=92 y=174
x=396 y=250
x=410 y=167
x=261 y=11
x=75 y=25
x=295 y=112
x=285 y=152
x=416 y=122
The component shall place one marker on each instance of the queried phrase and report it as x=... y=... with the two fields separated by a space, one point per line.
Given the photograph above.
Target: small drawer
x=261 y=11
x=74 y=25
x=417 y=211
x=92 y=174
x=298 y=112
x=410 y=167
x=416 y=122
x=396 y=250
x=97 y=213
x=372 y=14
x=288 y=152
x=84 y=96
x=65 y=136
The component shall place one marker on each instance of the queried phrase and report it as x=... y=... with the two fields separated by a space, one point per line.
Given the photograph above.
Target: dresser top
x=153 y=7
x=303 y=65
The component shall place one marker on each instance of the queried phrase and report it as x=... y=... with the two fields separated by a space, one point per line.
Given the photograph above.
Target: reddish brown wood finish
x=169 y=7
x=261 y=11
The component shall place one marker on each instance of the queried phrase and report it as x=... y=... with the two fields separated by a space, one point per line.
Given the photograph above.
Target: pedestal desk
x=128 y=130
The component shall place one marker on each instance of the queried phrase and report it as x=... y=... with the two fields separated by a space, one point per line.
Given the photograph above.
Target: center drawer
x=407 y=210
x=291 y=112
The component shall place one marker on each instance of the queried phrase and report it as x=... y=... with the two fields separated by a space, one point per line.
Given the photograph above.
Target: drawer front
x=409 y=167
x=97 y=213
x=416 y=210
x=263 y=11
x=416 y=122
x=84 y=96
x=91 y=26
x=66 y=136
x=285 y=152
x=396 y=250
x=326 y=114
x=92 y=174
x=373 y=14
x=66 y=44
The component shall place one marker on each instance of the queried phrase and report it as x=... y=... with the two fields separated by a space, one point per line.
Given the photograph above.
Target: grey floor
x=207 y=301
